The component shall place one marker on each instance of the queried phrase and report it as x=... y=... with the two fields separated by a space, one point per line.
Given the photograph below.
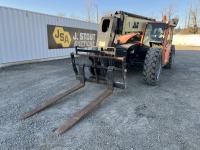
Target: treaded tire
x=92 y=69
x=152 y=66
x=171 y=58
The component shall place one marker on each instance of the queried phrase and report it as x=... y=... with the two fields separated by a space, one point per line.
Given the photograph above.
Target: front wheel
x=171 y=58
x=94 y=70
x=152 y=66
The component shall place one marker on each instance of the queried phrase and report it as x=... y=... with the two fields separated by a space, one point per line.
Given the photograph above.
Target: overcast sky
x=149 y=8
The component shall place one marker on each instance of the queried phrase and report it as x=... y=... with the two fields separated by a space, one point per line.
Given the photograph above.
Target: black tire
x=152 y=66
x=92 y=69
x=171 y=58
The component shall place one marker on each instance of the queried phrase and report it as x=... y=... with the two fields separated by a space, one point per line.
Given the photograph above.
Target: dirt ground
x=140 y=117
x=179 y=47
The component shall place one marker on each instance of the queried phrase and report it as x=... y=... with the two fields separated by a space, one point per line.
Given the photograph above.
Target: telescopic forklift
x=124 y=40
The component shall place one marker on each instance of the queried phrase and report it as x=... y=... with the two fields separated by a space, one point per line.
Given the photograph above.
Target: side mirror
x=174 y=22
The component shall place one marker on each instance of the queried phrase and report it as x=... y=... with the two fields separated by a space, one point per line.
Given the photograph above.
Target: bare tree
x=61 y=14
x=154 y=15
x=186 y=18
x=193 y=17
x=108 y=12
x=89 y=4
x=74 y=16
x=169 y=11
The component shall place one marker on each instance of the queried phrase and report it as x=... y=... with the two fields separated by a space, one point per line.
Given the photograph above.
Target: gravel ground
x=141 y=117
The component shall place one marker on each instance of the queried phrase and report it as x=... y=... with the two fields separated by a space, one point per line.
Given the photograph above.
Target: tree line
x=191 y=19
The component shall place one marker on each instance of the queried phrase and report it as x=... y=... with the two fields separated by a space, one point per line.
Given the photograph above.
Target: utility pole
x=97 y=13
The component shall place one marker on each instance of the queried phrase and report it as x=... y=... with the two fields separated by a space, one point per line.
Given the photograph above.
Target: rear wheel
x=171 y=58
x=152 y=66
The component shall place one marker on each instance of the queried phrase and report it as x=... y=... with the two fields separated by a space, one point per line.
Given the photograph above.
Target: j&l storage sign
x=67 y=37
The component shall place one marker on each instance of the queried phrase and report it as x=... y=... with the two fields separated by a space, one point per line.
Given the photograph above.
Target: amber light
x=164 y=18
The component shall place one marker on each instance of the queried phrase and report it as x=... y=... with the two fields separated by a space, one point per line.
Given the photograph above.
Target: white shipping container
x=23 y=35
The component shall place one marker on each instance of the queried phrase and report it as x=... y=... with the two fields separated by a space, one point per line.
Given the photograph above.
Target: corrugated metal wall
x=23 y=35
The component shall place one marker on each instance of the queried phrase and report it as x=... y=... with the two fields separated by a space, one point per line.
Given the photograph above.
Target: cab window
x=105 y=25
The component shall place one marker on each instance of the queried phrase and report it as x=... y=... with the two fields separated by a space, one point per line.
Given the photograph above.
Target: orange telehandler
x=124 y=40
